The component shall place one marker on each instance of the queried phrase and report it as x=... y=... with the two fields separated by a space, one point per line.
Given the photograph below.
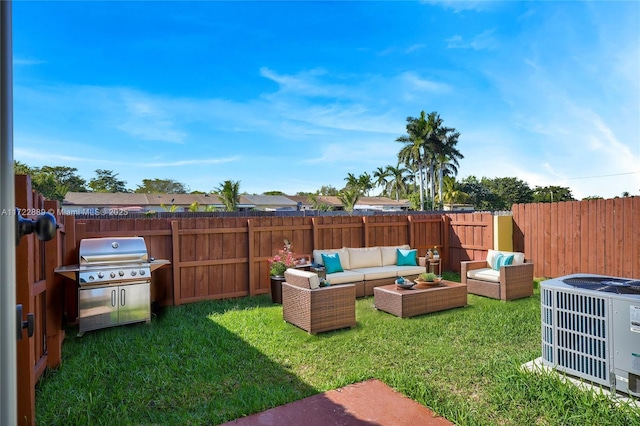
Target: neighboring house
x=106 y=203
x=112 y=203
x=458 y=207
x=271 y=202
x=302 y=201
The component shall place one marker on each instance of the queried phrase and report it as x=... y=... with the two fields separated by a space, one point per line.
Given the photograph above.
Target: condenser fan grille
x=606 y=284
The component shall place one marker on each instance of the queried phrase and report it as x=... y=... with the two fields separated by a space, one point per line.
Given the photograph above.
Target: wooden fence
x=594 y=236
x=40 y=292
x=214 y=258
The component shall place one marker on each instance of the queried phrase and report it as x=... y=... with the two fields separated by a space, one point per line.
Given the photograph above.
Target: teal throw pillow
x=407 y=257
x=502 y=260
x=332 y=263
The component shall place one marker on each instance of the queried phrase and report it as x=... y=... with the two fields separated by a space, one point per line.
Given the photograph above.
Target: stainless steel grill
x=114 y=282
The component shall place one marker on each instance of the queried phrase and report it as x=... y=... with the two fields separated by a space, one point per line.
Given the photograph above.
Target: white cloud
x=482 y=41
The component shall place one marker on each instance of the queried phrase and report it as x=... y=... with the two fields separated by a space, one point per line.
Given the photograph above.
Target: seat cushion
x=345 y=277
x=484 y=274
x=365 y=257
x=377 y=273
x=402 y=271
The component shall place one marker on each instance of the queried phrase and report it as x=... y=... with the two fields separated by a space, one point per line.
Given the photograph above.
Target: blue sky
x=291 y=96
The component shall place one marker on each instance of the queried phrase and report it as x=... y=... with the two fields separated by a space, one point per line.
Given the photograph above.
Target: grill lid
x=94 y=251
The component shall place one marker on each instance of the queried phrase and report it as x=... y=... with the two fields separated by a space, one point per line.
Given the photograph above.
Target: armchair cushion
x=502 y=260
x=484 y=274
x=518 y=258
x=303 y=279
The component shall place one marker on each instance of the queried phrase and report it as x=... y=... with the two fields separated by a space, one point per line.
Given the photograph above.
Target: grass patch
x=210 y=362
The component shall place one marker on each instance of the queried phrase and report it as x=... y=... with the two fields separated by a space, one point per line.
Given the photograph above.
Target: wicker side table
x=409 y=303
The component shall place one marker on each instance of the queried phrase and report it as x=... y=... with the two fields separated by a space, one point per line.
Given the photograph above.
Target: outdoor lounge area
x=214 y=361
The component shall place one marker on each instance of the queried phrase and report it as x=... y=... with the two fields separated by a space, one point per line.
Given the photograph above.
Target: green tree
x=509 y=191
x=53 y=182
x=415 y=152
x=398 y=181
x=107 y=181
x=274 y=193
x=229 y=193
x=349 y=198
x=380 y=175
x=551 y=194
x=316 y=204
x=478 y=194
x=451 y=192
x=365 y=183
x=161 y=186
x=327 y=190
x=446 y=155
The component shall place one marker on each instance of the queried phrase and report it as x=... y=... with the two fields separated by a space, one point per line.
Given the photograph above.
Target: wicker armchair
x=509 y=282
x=319 y=309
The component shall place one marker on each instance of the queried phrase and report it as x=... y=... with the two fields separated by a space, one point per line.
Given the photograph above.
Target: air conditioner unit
x=591 y=329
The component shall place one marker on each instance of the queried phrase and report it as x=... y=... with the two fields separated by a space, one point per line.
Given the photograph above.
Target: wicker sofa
x=369 y=267
x=490 y=279
x=315 y=309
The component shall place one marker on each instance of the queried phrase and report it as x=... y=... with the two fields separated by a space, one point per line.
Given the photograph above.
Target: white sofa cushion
x=389 y=254
x=402 y=271
x=377 y=272
x=365 y=257
x=484 y=274
x=345 y=277
x=518 y=258
x=342 y=253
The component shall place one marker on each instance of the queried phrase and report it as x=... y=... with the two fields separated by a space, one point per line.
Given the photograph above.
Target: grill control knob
x=91 y=278
x=112 y=274
x=142 y=272
x=100 y=274
x=121 y=273
x=133 y=273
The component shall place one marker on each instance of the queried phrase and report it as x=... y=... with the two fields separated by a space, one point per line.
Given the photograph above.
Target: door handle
x=122 y=294
x=29 y=324
x=113 y=298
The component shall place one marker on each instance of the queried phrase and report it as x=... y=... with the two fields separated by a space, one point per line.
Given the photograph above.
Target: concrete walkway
x=366 y=403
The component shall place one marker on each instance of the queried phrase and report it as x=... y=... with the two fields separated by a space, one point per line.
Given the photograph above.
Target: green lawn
x=210 y=362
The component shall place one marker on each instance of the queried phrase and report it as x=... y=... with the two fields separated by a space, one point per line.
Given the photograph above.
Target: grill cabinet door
x=98 y=307
x=134 y=302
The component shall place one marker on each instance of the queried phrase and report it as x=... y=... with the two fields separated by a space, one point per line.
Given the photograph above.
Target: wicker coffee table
x=409 y=303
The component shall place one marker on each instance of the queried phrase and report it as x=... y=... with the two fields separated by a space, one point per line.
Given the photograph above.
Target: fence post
x=250 y=257
x=54 y=296
x=175 y=250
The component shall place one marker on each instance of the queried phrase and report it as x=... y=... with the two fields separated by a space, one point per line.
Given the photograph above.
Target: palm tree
x=352 y=180
x=381 y=175
x=446 y=156
x=365 y=183
x=398 y=180
x=451 y=191
x=349 y=197
x=229 y=193
x=418 y=150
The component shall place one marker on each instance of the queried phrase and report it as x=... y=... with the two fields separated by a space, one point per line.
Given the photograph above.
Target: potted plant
x=277 y=265
x=428 y=279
